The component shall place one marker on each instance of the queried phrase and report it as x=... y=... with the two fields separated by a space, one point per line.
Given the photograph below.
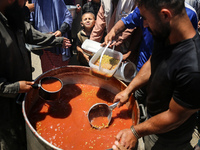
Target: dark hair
x=177 y=6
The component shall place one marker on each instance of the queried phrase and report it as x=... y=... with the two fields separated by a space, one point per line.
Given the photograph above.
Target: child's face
x=88 y=21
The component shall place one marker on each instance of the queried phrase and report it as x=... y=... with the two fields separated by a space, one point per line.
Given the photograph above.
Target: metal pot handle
x=113 y=106
x=36 y=86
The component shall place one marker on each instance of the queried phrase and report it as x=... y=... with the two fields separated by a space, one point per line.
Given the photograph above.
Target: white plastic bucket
x=126 y=71
x=91 y=46
x=72 y=10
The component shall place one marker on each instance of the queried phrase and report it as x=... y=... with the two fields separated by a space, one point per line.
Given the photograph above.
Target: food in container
x=107 y=62
x=108 y=66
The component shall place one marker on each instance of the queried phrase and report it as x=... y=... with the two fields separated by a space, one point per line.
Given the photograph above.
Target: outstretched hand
x=66 y=43
x=109 y=38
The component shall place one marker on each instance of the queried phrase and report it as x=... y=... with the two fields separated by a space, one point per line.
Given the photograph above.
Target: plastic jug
x=126 y=71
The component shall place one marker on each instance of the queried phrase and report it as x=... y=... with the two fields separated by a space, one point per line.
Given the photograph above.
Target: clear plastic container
x=91 y=46
x=105 y=73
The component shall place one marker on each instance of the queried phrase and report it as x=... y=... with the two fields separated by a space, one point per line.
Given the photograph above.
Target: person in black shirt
x=172 y=75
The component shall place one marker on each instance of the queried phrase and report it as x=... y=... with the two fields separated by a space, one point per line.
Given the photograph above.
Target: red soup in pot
x=65 y=123
x=51 y=84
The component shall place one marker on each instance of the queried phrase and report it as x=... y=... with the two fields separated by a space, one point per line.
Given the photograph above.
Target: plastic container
x=91 y=46
x=72 y=10
x=105 y=73
x=126 y=71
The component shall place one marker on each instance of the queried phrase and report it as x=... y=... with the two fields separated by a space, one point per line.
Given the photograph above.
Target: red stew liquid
x=100 y=122
x=65 y=123
x=51 y=85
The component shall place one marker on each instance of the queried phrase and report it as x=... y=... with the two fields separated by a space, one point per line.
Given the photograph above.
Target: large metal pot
x=70 y=75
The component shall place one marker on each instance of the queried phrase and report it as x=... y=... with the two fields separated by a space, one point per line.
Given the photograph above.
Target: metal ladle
x=101 y=110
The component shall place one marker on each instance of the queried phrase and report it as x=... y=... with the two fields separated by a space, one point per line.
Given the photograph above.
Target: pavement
x=36 y=63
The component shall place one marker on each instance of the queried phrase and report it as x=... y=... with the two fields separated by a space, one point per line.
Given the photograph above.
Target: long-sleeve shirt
x=134 y=20
x=49 y=17
x=15 y=60
x=100 y=27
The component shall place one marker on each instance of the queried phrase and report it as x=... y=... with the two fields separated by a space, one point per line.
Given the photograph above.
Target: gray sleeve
x=9 y=90
x=34 y=37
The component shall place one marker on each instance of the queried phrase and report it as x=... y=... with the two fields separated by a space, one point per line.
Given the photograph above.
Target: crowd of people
x=160 y=37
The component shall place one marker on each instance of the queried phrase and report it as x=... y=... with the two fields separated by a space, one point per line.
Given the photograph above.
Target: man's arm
x=100 y=26
x=30 y=6
x=164 y=122
x=140 y=80
x=79 y=49
x=131 y=21
x=118 y=28
x=35 y=37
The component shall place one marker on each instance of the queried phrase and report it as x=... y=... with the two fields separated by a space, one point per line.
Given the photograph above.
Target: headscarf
x=50 y=15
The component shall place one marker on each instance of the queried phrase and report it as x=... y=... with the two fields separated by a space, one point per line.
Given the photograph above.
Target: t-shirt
x=175 y=72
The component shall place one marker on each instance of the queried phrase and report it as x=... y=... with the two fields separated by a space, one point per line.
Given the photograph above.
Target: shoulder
x=134 y=19
x=190 y=10
x=134 y=14
x=186 y=56
x=81 y=34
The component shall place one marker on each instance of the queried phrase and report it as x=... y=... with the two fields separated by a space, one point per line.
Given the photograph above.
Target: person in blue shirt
x=135 y=20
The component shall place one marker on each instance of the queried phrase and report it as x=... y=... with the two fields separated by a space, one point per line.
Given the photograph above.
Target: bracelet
x=134 y=132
